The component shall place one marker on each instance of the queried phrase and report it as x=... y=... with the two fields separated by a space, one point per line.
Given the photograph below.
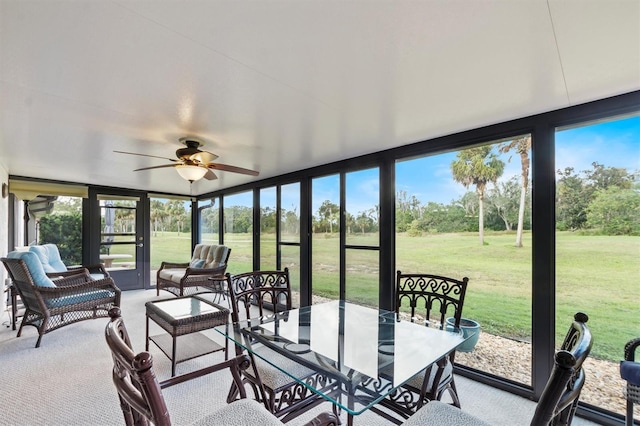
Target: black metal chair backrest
x=258 y=293
x=630 y=372
x=432 y=296
x=578 y=340
x=559 y=399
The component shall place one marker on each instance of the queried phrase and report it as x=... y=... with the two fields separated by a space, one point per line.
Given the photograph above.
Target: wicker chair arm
x=165 y=265
x=97 y=268
x=72 y=272
x=77 y=278
x=630 y=349
x=80 y=270
x=236 y=365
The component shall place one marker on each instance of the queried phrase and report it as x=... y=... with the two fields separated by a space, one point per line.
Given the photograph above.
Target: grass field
x=594 y=274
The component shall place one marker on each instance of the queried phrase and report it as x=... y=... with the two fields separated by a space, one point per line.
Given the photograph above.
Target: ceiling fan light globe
x=191 y=173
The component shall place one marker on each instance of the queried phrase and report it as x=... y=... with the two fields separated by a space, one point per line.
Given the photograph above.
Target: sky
x=612 y=144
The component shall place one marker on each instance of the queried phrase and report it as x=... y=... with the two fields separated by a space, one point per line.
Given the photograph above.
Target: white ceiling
x=282 y=85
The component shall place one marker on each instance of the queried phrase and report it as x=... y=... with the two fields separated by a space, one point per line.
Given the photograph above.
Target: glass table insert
x=366 y=353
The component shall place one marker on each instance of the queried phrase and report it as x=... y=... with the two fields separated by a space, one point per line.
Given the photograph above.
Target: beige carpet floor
x=67 y=381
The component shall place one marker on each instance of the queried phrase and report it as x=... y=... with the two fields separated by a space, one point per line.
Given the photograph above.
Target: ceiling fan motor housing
x=192 y=148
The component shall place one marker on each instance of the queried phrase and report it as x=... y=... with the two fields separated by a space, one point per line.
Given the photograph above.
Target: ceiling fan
x=193 y=163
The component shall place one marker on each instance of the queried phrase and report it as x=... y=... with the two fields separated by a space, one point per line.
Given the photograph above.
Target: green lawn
x=595 y=274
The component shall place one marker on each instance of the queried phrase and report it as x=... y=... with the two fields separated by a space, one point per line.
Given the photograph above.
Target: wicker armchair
x=49 y=304
x=186 y=278
x=141 y=398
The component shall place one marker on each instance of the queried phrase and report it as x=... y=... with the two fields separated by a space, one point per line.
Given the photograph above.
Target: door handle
x=140 y=245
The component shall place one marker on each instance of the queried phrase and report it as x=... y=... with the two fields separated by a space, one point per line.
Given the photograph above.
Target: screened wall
x=416 y=209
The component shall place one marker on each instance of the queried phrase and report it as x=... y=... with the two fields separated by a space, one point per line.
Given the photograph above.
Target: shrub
x=65 y=231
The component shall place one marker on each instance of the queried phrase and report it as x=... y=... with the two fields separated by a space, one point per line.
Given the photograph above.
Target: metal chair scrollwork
x=253 y=295
x=431 y=299
x=559 y=398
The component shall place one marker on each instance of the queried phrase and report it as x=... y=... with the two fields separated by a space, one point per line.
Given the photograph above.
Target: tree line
x=602 y=200
x=169 y=216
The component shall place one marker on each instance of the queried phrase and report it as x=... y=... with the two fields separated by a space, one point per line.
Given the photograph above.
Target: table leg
x=350 y=403
x=226 y=342
x=349 y=415
x=146 y=340
x=173 y=356
x=14 y=307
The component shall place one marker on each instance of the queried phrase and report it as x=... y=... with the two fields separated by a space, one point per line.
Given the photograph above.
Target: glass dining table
x=365 y=353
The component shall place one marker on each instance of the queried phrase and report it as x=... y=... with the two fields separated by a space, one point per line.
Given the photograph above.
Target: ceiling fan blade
x=210 y=175
x=156 y=167
x=203 y=157
x=234 y=169
x=146 y=155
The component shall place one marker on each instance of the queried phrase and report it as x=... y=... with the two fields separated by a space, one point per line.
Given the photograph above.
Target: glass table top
x=185 y=307
x=367 y=352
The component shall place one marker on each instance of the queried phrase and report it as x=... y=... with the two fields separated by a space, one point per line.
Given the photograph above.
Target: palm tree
x=477 y=166
x=522 y=146
x=329 y=212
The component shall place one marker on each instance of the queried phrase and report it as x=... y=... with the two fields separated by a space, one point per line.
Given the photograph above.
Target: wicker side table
x=185 y=316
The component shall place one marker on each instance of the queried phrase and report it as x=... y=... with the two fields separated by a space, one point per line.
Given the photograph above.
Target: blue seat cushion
x=630 y=371
x=79 y=298
x=34 y=266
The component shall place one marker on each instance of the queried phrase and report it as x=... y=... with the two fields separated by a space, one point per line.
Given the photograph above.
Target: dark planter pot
x=470 y=329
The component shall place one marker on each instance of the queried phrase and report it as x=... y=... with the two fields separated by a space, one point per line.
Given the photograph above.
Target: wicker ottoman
x=185 y=316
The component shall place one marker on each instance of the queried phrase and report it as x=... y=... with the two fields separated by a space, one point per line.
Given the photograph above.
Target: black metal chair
x=431 y=299
x=630 y=372
x=559 y=398
x=258 y=293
